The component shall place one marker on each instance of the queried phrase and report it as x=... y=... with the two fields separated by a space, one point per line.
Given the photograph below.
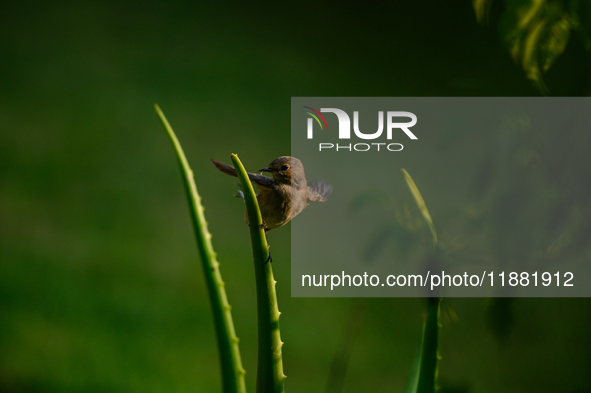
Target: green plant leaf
x=423 y=376
x=420 y=203
x=270 y=377
x=231 y=363
x=536 y=31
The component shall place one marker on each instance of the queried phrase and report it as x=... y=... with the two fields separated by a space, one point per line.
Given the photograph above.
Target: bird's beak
x=265 y=169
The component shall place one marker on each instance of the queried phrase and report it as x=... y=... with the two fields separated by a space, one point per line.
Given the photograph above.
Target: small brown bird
x=286 y=194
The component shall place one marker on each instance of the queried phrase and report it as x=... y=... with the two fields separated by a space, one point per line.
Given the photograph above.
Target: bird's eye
x=285 y=167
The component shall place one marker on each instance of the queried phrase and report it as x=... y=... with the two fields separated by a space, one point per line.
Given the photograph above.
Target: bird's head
x=287 y=170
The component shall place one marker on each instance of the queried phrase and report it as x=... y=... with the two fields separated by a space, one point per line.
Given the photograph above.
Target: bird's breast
x=278 y=206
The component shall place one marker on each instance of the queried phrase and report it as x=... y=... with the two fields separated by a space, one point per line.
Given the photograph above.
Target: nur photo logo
x=392 y=120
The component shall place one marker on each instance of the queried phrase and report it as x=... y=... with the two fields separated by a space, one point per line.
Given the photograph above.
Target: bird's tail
x=227 y=169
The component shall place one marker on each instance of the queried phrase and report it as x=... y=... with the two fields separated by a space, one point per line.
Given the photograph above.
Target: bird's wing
x=261 y=181
x=319 y=191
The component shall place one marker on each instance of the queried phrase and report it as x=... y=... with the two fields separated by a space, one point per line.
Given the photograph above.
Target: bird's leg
x=270 y=259
x=264 y=226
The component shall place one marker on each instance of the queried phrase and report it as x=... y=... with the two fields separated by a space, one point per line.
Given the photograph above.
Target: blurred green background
x=101 y=289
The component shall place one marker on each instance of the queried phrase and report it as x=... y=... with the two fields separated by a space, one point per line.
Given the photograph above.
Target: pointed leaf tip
x=420 y=203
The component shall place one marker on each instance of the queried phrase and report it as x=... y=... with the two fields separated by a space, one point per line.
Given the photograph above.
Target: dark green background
x=100 y=283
